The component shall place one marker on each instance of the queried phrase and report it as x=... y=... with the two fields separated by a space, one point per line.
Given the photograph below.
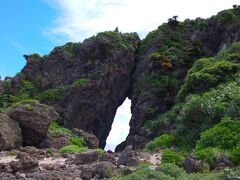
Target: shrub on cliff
x=222 y=139
x=208 y=73
x=163 y=141
x=171 y=156
x=198 y=113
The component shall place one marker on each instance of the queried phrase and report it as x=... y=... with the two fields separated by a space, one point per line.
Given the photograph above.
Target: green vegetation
x=72 y=149
x=55 y=130
x=171 y=156
x=51 y=94
x=35 y=56
x=163 y=141
x=162 y=84
x=149 y=111
x=79 y=141
x=81 y=82
x=222 y=139
x=171 y=170
x=128 y=41
x=76 y=143
x=206 y=74
x=168 y=171
x=56 y=93
x=226 y=16
x=70 y=48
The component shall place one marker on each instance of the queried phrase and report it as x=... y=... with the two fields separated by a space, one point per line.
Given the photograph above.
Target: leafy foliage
x=222 y=139
x=72 y=149
x=208 y=73
x=79 y=141
x=52 y=94
x=163 y=141
x=55 y=130
x=81 y=82
x=171 y=156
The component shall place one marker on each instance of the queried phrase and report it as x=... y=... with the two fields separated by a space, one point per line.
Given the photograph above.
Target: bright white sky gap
x=120 y=126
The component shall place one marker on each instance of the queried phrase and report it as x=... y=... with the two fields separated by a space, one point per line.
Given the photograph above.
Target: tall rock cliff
x=164 y=58
x=86 y=82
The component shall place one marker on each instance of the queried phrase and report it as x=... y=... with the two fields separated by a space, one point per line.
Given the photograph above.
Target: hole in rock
x=120 y=126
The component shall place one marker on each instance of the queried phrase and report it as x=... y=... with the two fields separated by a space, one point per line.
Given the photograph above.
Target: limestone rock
x=128 y=157
x=34 y=119
x=26 y=163
x=87 y=157
x=10 y=133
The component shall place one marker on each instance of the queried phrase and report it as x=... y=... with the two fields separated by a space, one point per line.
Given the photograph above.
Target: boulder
x=97 y=170
x=90 y=139
x=128 y=157
x=191 y=165
x=87 y=157
x=222 y=162
x=108 y=157
x=10 y=133
x=26 y=163
x=104 y=169
x=34 y=119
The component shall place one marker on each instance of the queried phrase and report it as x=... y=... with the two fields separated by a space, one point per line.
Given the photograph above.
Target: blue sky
x=36 y=26
x=39 y=25
x=21 y=32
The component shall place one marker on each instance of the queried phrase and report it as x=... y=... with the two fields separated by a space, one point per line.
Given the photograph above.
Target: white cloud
x=80 y=19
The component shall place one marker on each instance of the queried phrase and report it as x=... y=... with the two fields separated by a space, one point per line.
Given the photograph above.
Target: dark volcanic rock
x=105 y=62
x=97 y=170
x=128 y=157
x=87 y=157
x=10 y=133
x=222 y=162
x=34 y=119
x=191 y=165
x=26 y=163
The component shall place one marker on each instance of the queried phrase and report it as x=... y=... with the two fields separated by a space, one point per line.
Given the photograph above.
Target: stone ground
x=31 y=163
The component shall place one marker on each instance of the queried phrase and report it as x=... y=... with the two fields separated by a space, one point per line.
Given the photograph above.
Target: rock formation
x=86 y=82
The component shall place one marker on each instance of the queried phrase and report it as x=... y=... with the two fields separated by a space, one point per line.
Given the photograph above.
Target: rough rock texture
x=191 y=165
x=128 y=157
x=86 y=82
x=55 y=142
x=94 y=78
x=222 y=162
x=26 y=163
x=87 y=157
x=97 y=170
x=10 y=133
x=34 y=119
x=90 y=139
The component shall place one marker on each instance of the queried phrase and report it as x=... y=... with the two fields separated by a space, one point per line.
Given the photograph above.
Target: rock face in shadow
x=34 y=119
x=10 y=133
x=85 y=82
